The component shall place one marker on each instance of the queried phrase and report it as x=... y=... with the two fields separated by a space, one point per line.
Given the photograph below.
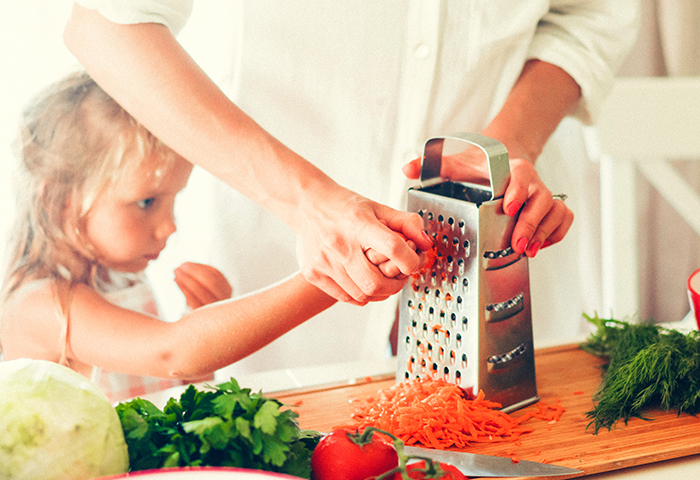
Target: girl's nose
x=166 y=227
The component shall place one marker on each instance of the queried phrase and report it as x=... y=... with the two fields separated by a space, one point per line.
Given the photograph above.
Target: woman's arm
x=543 y=95
x=147 y=71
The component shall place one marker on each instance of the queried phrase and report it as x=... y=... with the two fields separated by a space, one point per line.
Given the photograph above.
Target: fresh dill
x=647 y=366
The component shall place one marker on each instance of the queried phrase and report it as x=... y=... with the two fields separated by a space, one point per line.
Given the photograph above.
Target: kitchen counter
x=666 y=447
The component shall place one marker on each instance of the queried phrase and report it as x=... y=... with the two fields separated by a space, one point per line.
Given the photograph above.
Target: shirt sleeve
x=171 y=13
x=589 y=39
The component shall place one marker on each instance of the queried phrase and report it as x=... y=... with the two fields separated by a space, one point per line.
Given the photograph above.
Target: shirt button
x=421 y=51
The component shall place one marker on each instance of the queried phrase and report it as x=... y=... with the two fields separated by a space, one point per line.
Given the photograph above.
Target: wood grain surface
x=565 y=374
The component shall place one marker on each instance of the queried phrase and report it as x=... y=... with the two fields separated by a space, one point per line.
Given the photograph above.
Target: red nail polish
x=513 y=208
x=534 y=248
x=546 y=244
x=521 y=245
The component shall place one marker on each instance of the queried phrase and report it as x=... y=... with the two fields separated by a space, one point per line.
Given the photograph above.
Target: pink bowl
x=202 y=473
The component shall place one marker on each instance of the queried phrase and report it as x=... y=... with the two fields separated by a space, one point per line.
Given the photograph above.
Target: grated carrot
x=441 y=415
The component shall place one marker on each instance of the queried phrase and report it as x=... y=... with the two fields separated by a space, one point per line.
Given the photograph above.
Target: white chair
x=644 y=123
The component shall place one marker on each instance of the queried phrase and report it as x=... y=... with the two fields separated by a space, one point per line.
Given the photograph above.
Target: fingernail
x=546 y=244
x=513 y=208
x=534 y=248
x=521 y=245
x=427 y=237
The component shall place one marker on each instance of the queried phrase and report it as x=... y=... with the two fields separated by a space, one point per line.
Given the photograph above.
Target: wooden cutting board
x=566 y=374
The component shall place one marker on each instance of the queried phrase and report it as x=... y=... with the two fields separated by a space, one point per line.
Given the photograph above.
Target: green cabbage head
x=56 y=424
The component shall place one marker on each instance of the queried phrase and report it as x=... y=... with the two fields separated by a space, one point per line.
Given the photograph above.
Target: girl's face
x=129 y=225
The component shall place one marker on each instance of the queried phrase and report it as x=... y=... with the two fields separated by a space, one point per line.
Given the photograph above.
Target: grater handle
x=496 y=157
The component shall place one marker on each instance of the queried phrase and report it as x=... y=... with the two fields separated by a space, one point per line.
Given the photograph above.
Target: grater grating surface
x=466 y=319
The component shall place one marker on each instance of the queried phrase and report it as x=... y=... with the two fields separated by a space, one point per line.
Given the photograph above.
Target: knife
x=478 y=465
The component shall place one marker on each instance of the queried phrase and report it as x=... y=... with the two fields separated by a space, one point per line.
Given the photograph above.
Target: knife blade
x=478 y=465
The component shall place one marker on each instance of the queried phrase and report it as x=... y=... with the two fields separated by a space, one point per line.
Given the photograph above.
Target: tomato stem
x=432 y=469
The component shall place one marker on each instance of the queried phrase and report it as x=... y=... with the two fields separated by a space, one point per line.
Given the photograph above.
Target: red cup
x=694 y=294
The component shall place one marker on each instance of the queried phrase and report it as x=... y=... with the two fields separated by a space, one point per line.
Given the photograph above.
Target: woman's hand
x=543 y=220
x=337 y=228
x=201 y=284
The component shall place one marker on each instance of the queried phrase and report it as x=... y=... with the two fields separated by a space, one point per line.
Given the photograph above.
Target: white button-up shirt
x=356 y=87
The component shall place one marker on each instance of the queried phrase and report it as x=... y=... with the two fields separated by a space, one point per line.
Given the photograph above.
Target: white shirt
x=357 y=87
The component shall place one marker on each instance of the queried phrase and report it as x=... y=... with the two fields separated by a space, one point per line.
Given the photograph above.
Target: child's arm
x=118 y=339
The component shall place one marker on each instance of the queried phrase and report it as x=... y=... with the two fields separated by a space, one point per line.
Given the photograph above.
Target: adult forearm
x=148 y=72
x=542 y=96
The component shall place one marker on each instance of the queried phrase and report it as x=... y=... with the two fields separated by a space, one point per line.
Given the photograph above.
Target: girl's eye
x=145 y=203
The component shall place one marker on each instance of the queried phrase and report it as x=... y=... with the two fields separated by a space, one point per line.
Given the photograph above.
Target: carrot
x=441 y=415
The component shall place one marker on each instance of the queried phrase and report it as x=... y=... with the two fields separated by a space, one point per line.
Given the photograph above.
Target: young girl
x=95 y=206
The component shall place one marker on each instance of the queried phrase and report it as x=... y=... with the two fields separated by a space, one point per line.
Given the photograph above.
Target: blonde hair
x=75 y=142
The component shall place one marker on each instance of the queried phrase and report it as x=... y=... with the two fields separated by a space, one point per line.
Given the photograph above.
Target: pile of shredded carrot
x=441 y=415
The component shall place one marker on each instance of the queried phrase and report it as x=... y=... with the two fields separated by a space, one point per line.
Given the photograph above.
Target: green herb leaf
x=648 y=366
x=223 y=426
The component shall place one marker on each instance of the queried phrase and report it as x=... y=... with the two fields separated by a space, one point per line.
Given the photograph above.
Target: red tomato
x=338 y=457
x=451 y=473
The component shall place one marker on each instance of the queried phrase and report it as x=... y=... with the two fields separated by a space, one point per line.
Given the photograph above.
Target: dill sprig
x=647 y=366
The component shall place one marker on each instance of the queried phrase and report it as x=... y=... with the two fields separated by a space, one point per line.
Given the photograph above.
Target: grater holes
x=441 y=354
x=453 y=319
x=458 y=339
x=453 y=357
x=465 y=285
x=425 y=330
x=466 y=247
x=458 y=377
x=460 y=266
x=465 y=323
x=408 y=343
x=460 y=302
x=446 y=374
x=464 y=360
x=430 y=215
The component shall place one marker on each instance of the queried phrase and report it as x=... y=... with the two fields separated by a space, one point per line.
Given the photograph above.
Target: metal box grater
x=467 y=318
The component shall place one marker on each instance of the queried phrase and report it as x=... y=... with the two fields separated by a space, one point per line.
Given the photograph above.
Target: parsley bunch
x=648 y=365
x=229 y=426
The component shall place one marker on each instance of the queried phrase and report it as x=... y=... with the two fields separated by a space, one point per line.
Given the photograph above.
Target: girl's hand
x=201 y=284
x=388 y=267
x=543 y=220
